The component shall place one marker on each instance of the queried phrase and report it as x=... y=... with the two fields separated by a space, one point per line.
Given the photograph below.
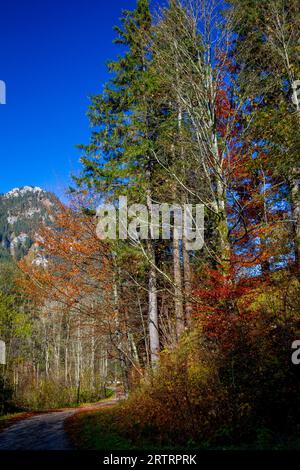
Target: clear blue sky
x=53 y=55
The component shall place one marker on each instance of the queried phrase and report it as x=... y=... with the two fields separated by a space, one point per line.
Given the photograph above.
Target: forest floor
x=43 y=431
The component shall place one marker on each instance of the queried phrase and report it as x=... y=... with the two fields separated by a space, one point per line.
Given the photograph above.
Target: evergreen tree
x=119 y=159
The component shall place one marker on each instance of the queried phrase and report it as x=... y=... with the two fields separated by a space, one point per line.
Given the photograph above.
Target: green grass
x=97 y=431
x=56 y=405
x=101 y=430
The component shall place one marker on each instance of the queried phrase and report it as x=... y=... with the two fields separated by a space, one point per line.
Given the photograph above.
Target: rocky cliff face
x=22 y=211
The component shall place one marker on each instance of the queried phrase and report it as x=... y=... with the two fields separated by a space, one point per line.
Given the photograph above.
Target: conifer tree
x=119 y=160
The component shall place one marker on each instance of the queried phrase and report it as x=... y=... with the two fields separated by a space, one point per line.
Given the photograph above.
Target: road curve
x=42 y=432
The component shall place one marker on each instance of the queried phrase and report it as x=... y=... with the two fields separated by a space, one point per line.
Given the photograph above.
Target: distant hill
x=22 y=210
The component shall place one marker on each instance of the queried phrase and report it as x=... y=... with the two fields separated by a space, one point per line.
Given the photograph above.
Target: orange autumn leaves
x=77 y=263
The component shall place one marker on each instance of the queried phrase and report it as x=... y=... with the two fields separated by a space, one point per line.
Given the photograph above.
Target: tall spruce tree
x=119 y=160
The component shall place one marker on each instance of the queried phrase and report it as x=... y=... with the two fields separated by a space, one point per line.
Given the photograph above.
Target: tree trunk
x=222 y=228
x=119 y=334
x=152 y=288
x=153 y=316
x=78 y=362
x=92 y=362
x=178 y=300
x=295 y=205
x=67 y=353
x=144 y=332
x=187 y=282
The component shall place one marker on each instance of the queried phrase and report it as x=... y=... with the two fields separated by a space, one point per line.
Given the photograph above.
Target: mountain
x=22 y=211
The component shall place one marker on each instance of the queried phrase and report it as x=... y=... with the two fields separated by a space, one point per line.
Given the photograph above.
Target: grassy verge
x=102 y=430
x=52 y=405
x=96 y=430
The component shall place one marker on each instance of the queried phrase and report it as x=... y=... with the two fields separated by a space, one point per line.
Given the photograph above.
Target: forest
x=202 y=109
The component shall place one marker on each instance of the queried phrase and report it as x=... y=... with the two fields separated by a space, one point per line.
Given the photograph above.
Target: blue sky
x=53 y=55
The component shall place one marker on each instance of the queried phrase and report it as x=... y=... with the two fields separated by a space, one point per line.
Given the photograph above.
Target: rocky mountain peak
x=22 y=211
x=16 y=192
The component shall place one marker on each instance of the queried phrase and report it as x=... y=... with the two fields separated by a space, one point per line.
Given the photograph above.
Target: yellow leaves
x=198 y=373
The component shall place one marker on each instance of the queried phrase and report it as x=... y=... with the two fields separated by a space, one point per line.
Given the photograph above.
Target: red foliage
x=224 y=306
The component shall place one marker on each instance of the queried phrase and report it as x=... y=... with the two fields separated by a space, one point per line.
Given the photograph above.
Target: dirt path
x=43 y=432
